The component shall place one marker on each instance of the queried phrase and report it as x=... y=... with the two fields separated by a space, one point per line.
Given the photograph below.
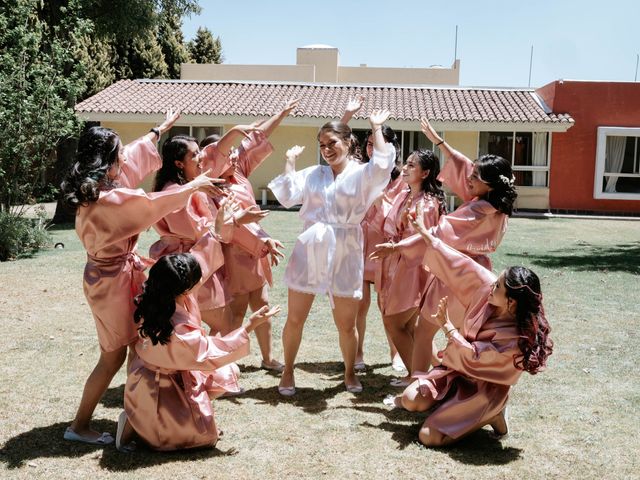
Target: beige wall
x=325 y=60
x=533 y=197
x=464 y=142
x=129 y=132
x=322 y=65
x=399 y=76
x=278 y=73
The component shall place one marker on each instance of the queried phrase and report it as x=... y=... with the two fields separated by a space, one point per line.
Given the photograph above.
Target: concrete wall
x=400 y=76
x=277 y=73
x=325 y=61
x=573 y=153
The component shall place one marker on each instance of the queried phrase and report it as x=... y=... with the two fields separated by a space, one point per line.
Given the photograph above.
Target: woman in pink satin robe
x=401 y=286
x=475 y=228
x=178 y=368
x=110 y=215
x=252 y=251
x=180 y=230
x=372 y=225
x=504 y=332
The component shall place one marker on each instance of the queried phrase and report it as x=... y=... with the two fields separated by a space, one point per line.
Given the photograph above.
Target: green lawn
x=579 y=419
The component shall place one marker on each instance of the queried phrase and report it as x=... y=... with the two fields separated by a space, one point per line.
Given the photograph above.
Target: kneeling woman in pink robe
x=167 y=400
x=110 y=215
x=504 y=333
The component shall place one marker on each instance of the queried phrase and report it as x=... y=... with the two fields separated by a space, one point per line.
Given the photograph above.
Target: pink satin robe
x=169 y=388
x=373 y=222
x=478 y=367
x=247 y=267
x=475 y=228
x=401 y=286
x=108 y=229
x=327 y=257
x=180 y=230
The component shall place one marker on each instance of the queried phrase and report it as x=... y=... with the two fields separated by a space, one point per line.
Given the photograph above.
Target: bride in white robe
x=327 y=257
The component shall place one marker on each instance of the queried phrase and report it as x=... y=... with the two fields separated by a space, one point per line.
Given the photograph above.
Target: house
x=516 y=123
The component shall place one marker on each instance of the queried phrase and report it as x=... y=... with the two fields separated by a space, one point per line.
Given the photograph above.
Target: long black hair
x=174 y=149
x=523 y=286
x=170 y=276
x=97 y=152
x=496 y=172
x=389 y=136
x=430 y=184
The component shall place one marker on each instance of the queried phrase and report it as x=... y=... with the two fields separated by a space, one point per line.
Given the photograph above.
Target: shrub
x=22 y=237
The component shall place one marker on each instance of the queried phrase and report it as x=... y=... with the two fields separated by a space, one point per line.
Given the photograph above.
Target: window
x=617 y=174
x=527 y=152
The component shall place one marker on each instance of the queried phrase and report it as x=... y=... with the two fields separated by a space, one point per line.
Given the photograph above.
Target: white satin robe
x=328 y=256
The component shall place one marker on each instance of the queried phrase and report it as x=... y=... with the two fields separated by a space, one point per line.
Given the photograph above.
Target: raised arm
x=289 y=187
x=353 y=106
x=268 y=126
x=457 y=167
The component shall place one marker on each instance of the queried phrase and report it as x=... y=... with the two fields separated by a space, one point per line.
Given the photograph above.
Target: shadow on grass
x=47 y=442
x=113 y=398
x=479 y=448
x=584 y=257
x=315 y=400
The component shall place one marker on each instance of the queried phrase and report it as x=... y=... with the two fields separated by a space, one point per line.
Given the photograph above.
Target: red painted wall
x=573 y=153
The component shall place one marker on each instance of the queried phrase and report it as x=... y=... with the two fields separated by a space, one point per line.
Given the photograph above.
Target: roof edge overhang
x=307 y=121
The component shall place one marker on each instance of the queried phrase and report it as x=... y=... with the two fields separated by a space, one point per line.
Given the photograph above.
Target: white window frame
x=601 y=150
x=525 y=168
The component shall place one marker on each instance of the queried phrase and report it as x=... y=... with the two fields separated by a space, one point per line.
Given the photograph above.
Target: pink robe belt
x=97 y=268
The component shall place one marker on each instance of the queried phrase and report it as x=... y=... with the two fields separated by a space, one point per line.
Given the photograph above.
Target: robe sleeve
x=457 y=271
x=251 y=238
x=376 y=173
x=289 y=188
x=122 y=213
x=454 y=174
x=475 y=228
x=191 y=349
x=252 y=152
x=483 y=360
x=209 y=254
x=214 y=160
x=142 y=159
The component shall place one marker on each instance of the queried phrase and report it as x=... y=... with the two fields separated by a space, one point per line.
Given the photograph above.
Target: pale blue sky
x=572 y=39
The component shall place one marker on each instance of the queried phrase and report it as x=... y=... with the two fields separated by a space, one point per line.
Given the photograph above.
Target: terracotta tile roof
x=224 y=98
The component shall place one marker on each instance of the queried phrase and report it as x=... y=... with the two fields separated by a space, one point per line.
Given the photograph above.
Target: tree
x=38 y=75
x=172 y=43
x=205 y=48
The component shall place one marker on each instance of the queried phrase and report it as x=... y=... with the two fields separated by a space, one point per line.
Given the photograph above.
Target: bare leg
x=238 y=307
x=108 y=365
x=400 y=327
x=361 y=322
x=433 y=438
x=344 y=316
x=257 y=299
x=413 y=401
x=423 y=354
x=299 y=305
x=218 y=319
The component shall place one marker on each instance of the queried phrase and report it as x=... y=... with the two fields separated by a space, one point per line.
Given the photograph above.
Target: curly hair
x=430 y=184
x=97 y=152
x=523 y=286
x=496 y=172
x=174 y=149
x=170 y=276
x=389 y=136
